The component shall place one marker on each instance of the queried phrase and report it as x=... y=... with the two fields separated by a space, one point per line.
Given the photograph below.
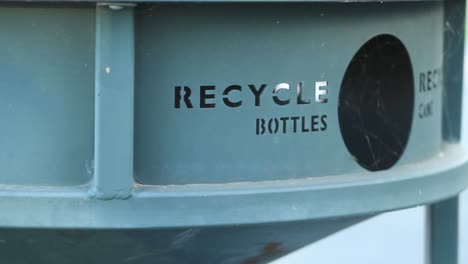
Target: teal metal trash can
x=223 y=132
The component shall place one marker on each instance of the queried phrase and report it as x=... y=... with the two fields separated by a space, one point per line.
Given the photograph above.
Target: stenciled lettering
x=429 y=82
x=226 y=99
x=282 y=94
x=295 y=124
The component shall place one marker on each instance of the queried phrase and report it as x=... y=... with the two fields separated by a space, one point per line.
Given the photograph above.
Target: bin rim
x=200 y=205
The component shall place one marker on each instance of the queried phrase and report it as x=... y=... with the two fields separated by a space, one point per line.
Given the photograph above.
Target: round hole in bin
x=376 y=101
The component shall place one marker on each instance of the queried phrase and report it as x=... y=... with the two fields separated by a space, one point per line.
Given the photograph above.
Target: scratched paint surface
x=220 y=245
x=225 y=93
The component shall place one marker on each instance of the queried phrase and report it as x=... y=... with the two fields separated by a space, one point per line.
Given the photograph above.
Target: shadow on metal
x=242 y=244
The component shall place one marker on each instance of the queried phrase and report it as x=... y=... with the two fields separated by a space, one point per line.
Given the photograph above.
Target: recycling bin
x=222 y=132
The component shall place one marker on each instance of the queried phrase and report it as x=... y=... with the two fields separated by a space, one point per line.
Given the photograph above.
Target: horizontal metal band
x=431 y=180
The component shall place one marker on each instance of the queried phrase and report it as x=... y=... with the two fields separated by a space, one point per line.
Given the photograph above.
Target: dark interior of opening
x=376 y=101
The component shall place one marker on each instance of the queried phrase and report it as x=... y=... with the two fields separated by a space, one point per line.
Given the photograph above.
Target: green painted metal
x=124 y=2
x=47 y=95
x=276 y=201
x=234 y=44
x=164 y=182
x=454 y=39
x=443 y=232
x=113 y=171
x=228 y=244
x=443 y=216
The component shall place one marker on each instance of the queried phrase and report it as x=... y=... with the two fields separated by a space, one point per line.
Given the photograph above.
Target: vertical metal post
x=454 y=45
x=443 y=232
x=113 y=175
x=442 y=217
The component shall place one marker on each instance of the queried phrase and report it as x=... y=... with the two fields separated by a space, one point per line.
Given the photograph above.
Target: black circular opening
x=375 y=109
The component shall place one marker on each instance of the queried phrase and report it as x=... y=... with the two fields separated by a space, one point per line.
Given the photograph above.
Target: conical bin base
x=233 y=244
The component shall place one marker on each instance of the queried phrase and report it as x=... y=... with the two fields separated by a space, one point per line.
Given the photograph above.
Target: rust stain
x=268 y=251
